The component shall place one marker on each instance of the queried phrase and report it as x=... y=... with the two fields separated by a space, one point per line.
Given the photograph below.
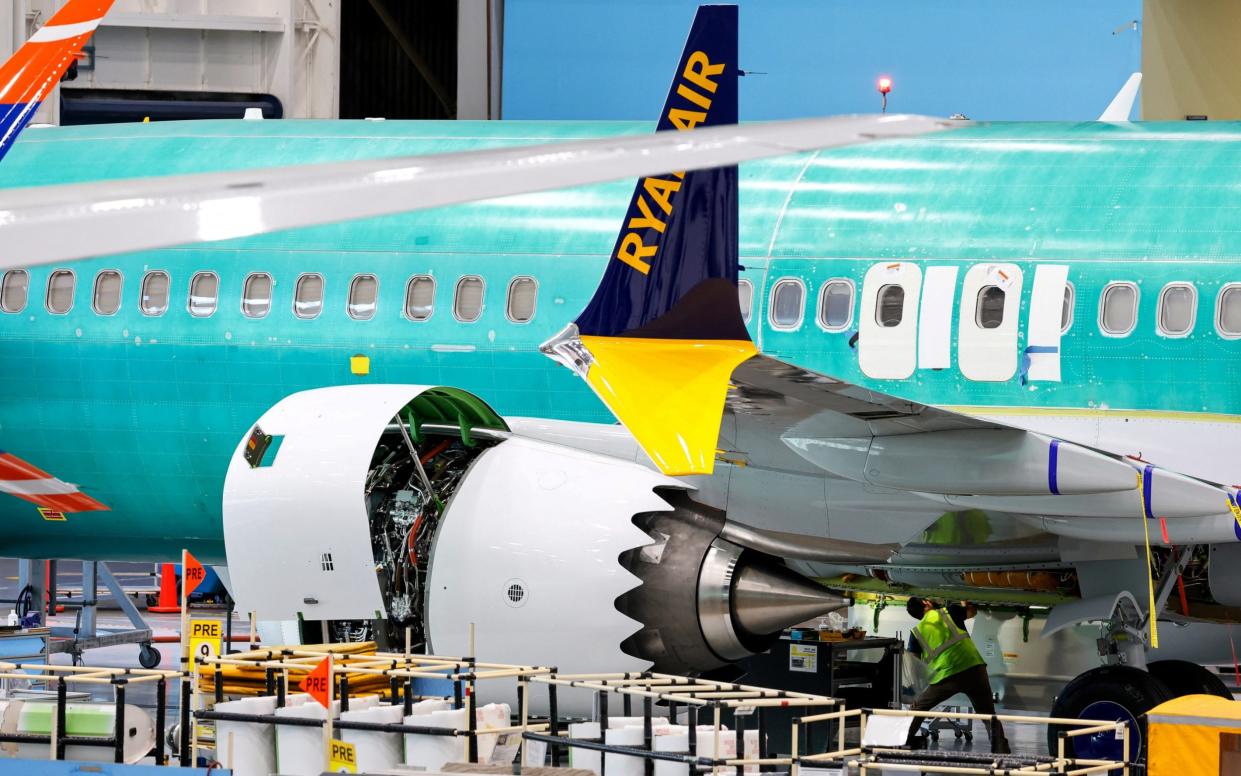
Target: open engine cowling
x=374 y=506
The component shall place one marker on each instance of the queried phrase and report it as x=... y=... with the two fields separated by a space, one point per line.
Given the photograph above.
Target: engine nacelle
x=416 y=507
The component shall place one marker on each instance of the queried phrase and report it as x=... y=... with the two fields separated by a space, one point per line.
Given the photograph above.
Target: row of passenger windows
x=1118 y=307
x=256 y=295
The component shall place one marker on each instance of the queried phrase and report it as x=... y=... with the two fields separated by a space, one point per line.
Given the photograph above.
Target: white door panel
x=987 y=352
x=889 y=351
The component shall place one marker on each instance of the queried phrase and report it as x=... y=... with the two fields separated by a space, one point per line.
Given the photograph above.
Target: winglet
x=1121 y=106
x=35 y=69
x=663 y=332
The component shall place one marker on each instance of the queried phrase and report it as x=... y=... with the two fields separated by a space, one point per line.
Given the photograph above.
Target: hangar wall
x=286 y=48
x=291 y=49
x=1191 y=59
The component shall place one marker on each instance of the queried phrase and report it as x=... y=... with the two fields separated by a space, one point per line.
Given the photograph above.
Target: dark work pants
x=976 y=686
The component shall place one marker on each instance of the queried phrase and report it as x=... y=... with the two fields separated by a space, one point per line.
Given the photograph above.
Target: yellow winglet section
x=669 y=393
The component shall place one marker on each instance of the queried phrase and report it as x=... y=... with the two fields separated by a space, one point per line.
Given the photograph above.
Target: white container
x=586 y=759
x=671 y=738
x=376 y=750
x=492 y=717
x=706 y=742
x=248 y=748
x=623 y=764
x=430 y=752
x=299 y=750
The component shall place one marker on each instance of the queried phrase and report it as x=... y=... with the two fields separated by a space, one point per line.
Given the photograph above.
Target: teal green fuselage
x=143 y=412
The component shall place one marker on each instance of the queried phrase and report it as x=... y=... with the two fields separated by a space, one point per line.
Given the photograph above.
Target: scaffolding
x=701 y=706
x=391 y=676
x=695 y=696
x=876 y=759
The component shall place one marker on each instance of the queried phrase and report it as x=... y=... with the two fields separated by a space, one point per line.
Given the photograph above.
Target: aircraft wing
x=885 y=441
x=131 y=215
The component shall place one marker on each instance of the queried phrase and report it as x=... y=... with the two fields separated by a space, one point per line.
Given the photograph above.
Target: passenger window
x=107 y=299
x=256 y=295
x=1228 y=312
x=989 y=309
x=1066 y=310
x=1118 y=309
x=523 y=294
x=363 y=292
x=60 y=291
x=1178 y=305
x=890 y=306
x=836 y=305
x=788 y=298
x=745 y=297
x=308 y=296
x=155 y=293
x=13 y=290
x=420 y=297
x=204 y=290
x=467 y=304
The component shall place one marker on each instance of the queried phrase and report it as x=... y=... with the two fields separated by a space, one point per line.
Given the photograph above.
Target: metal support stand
x=85 y=634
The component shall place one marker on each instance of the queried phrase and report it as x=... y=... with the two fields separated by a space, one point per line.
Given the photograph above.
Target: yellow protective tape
x=1150 y=578
x=668 y=393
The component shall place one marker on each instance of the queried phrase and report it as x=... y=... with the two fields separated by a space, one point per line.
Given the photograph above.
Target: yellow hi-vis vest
x=946 y=648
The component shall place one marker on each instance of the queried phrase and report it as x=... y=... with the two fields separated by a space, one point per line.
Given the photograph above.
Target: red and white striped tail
x=29 y=482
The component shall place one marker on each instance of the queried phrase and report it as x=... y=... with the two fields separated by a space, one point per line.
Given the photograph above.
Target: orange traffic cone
x=168 y=599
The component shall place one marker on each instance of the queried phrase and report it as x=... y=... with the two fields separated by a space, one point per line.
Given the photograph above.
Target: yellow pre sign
x=343 y=757
x=206 y=637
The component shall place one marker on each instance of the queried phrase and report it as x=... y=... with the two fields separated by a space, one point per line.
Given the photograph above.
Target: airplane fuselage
x=143 y=406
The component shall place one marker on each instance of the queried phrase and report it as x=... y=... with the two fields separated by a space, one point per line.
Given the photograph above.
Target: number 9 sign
x=205 y=640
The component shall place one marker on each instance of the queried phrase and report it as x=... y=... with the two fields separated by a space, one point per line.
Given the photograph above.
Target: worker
x=941 y=640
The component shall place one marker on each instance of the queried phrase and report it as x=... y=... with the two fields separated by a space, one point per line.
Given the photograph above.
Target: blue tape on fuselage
x=1026 y=360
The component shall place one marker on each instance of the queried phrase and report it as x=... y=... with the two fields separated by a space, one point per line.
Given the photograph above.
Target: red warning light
x=885 y=85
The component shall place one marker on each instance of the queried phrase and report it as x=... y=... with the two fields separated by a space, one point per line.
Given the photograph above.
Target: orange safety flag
x=193 y=574
x=319 y=682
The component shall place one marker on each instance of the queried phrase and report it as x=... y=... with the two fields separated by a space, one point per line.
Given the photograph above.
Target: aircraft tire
x=1182 y=677
x=1107 y=692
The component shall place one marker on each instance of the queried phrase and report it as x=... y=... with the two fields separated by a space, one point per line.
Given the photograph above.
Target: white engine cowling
x=528 y=553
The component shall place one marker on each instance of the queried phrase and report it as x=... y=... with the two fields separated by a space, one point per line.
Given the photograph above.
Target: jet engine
x=401 y=507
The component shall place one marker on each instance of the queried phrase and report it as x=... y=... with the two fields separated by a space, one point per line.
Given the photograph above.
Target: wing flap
x=882 y=440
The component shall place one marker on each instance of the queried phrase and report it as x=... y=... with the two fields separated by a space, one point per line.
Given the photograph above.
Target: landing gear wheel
x=1182 y=677
x=148 y=656
x=1107 y=693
